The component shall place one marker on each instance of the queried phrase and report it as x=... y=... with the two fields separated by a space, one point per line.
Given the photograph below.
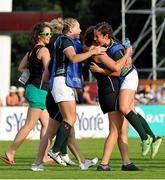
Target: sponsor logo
x=15 y=121
x=140 y=111
x=151 y=117
x=94 y=122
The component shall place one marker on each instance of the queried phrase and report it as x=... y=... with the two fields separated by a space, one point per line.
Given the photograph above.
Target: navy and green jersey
x=62 y=60
x=118 y=55
x=106 y=84
x=61 y=65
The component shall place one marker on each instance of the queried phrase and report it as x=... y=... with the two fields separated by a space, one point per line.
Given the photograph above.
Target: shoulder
x=116 y=47
x=43 y=52
x=116 y=44
x=63 y=39
x=43 y=49
x=67 y=42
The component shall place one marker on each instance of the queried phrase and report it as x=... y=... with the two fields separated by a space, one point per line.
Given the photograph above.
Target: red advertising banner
x=23 y=21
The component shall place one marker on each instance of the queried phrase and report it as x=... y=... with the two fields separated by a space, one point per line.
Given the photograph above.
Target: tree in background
x=88 y=12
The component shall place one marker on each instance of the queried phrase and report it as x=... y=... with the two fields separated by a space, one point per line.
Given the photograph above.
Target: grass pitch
x=153 y=169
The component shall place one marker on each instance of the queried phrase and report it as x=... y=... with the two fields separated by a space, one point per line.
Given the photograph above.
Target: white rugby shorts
x=131 y=81
x=62 y=92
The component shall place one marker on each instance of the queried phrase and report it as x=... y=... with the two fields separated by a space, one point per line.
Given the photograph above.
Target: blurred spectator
x=86 y=96
x=1 y=103
x=22 y=99
x=12 y=98
x=153 y=91
x=147 y=95
x=79 y=96
x=161 y=96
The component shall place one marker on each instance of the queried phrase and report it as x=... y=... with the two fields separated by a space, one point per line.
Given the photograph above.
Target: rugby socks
x=135 y=121
x=64 y=146
x=146 y=127
x=62 y=136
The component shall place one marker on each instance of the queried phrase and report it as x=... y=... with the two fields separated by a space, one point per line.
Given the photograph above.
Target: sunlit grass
x=153 y=169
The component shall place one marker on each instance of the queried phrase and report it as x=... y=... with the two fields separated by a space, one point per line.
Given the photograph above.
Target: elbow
x=116 y=68
x=118 y=73
x=74 y=60
x=20 y=69
x=46 y=76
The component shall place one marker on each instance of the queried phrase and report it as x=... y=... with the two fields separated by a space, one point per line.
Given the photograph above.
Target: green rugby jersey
x=118 y=55
x=62 y=60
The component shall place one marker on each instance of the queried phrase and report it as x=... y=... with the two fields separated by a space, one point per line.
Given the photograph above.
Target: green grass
x=153 y=169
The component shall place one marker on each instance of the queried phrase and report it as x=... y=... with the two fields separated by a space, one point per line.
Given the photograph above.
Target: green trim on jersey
x=118 y=55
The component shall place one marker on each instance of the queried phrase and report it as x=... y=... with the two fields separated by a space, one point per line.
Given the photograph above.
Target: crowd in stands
x=147 y=94
x=88 y=95
x=1 y=104
x=16 y=97
x=150 y=94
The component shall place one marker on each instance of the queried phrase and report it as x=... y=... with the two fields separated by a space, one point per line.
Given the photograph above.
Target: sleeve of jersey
x=66 y=43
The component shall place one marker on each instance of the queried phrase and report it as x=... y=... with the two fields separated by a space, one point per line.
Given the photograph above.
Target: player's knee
x=124 y=109
x=114 y=132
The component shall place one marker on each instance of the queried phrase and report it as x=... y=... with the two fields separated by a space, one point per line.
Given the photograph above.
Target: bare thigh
x=126 y=100
x=68 y=111
x=115 y=121
x=32 y=117
x=44 y=118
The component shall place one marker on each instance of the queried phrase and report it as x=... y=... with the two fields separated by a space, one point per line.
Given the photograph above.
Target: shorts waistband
x=129 y=71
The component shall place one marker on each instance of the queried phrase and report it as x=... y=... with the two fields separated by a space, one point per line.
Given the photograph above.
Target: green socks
x=64 y=146
x=62 y=137
x=146 y=127
x=135 y=121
